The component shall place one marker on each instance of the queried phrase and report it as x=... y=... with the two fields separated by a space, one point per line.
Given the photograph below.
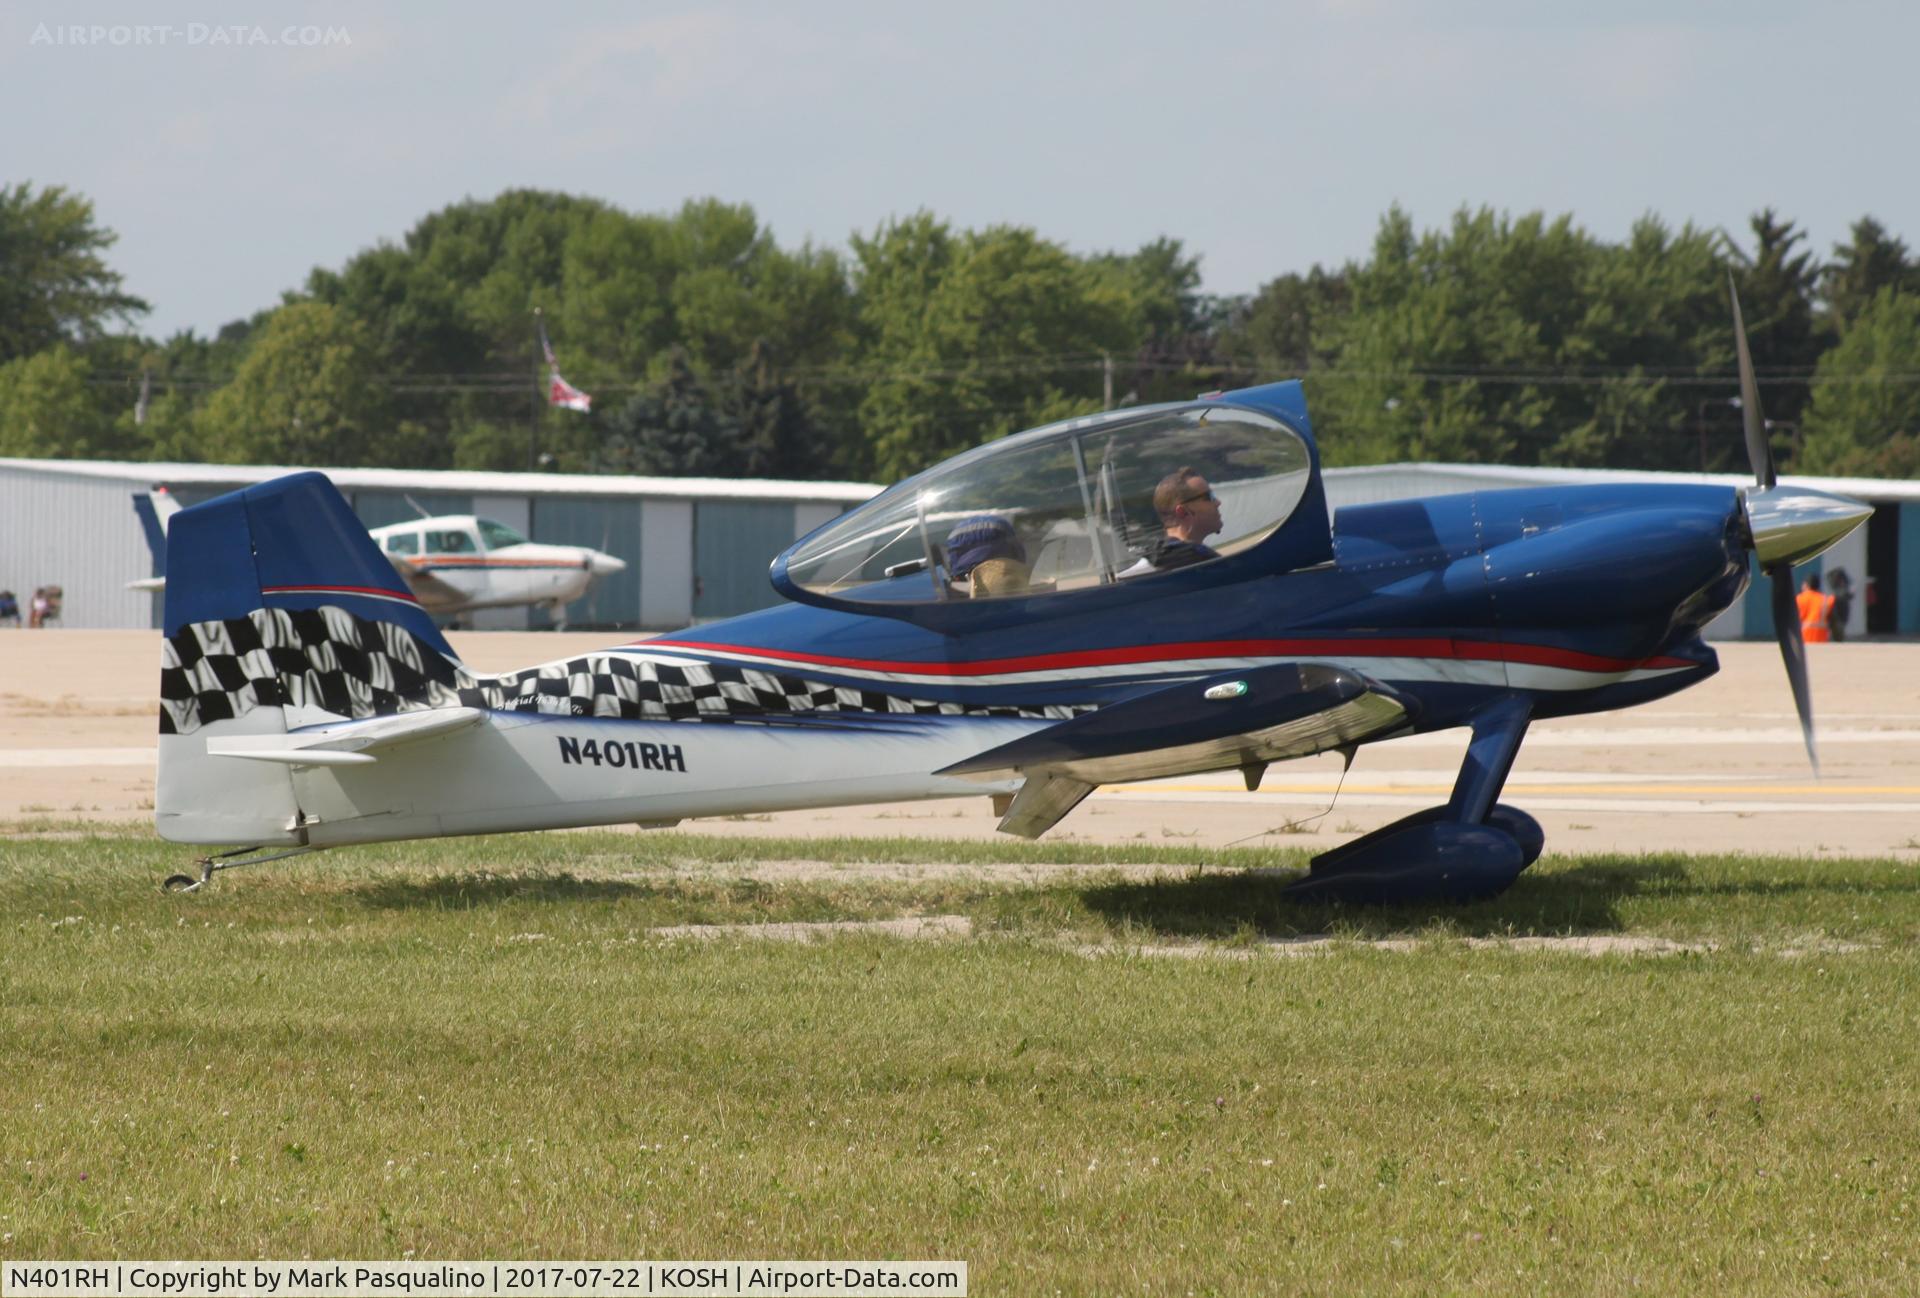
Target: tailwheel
x=226 y=861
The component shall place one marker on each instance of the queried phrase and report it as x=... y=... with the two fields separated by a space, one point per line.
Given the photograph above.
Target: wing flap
x=1041 y=803
x=1237 y=719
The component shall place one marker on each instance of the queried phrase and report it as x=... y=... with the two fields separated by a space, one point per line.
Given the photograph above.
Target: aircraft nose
x=1793 y=524
x=604 y=565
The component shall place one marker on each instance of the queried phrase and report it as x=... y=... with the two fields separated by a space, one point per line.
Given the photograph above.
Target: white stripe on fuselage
x=1459 y=671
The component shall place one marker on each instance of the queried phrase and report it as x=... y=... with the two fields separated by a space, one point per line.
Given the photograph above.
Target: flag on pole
x=562 y=393
x=559 y=391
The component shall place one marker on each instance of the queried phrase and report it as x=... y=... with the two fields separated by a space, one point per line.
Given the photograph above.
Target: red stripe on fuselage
x=339 y=590
x=454 y=561
x=1412 y=647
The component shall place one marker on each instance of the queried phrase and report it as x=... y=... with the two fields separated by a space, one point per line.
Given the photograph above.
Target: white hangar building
x=698 y=548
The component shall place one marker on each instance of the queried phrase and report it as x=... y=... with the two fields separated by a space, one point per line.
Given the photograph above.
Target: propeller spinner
x=1788 y=525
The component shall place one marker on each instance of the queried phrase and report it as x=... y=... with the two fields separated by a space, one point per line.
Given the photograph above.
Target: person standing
x=1816 y=611
x=1840 y=586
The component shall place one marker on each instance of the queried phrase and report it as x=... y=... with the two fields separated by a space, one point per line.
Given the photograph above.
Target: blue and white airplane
x=1134 y=595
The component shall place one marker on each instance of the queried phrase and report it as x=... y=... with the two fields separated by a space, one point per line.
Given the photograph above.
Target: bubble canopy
x=1098 y=501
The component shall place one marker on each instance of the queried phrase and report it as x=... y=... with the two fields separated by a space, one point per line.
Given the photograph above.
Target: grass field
x=483 y=1048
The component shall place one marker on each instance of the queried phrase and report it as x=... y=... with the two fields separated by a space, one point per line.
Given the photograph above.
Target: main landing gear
x=224 y=861
x=1469 y=850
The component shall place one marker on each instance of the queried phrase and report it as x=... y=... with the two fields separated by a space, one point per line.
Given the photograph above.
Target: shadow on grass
x=1584 y=895
x=473 y=891
x=1584 y=898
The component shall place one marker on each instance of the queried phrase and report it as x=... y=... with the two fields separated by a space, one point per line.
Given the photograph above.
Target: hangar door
x=608 y=525
x=734 y=542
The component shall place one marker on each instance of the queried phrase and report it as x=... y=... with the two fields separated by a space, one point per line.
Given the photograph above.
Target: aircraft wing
x=1237 y=719
x=434 y=595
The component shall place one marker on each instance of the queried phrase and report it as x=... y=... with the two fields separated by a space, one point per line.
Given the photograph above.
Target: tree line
x=712 y=350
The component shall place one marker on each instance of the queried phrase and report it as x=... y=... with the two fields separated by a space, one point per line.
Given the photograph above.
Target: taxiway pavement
x=1718 y=767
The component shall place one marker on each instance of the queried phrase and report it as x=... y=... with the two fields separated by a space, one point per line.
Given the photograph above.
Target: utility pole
x=1106 y=380
x=533 y=422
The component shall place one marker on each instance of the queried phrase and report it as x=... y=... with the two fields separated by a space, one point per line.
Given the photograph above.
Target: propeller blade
x=1793 y=652
x=1759 y=454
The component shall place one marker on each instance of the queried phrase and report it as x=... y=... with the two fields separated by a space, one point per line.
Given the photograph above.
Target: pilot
x=1190 y=513
x=985 y=554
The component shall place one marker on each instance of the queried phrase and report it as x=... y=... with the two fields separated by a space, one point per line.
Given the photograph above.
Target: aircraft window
x=450 y=543
x=498 y=536
x=1065 y=507
x=403 y=543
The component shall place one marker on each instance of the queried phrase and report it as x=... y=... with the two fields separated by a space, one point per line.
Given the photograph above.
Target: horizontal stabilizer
x=1235 y=719
x=345 y=743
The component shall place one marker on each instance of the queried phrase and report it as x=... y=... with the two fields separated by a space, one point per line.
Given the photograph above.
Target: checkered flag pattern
x=329 y=660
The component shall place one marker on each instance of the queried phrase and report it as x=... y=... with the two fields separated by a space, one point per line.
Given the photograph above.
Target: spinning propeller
x=1789 y=525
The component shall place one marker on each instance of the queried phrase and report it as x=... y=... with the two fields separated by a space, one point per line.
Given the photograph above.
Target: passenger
x=1190 y=513
x=9 y=608
x=984 y=553
x=1815 y=611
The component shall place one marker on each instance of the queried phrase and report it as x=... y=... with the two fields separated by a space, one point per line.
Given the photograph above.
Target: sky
x=233 y=148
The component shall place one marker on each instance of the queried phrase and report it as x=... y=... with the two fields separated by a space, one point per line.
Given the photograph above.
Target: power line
x=514 y=382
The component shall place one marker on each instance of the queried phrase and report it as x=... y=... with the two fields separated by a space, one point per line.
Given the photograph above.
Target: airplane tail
x=281 y=612
x=155 y=510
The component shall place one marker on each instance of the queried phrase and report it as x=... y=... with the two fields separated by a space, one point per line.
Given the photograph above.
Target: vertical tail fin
x=280 y=611
x=292 y=543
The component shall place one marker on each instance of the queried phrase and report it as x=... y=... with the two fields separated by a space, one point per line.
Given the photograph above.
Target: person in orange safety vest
x=1815 y=609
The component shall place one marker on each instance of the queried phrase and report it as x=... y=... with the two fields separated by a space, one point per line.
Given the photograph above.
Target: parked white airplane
x=458 y=562
x=453 y=563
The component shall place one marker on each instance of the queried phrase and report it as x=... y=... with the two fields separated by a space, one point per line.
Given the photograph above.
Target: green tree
x=1869 y=261
x=183 y=372
x=1654 y=311
x=482 y=444
x=1777 y=282
x=675 y=429
x=307 y=393
x=1161 y=280
x=971 y=336
x=1436 y=355
x=1180 y=332
x=51 y=408
x=1520 y=340
x=54 y=284
x=1864 y=418
x=451 y=307
x=735 y=287
x=1279 y=332
x=778 y=437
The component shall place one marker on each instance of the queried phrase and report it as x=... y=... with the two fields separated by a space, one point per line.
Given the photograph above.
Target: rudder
x=280 y=612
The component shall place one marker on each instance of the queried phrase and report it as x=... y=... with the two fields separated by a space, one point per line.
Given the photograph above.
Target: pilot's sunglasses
x=1206 y=495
